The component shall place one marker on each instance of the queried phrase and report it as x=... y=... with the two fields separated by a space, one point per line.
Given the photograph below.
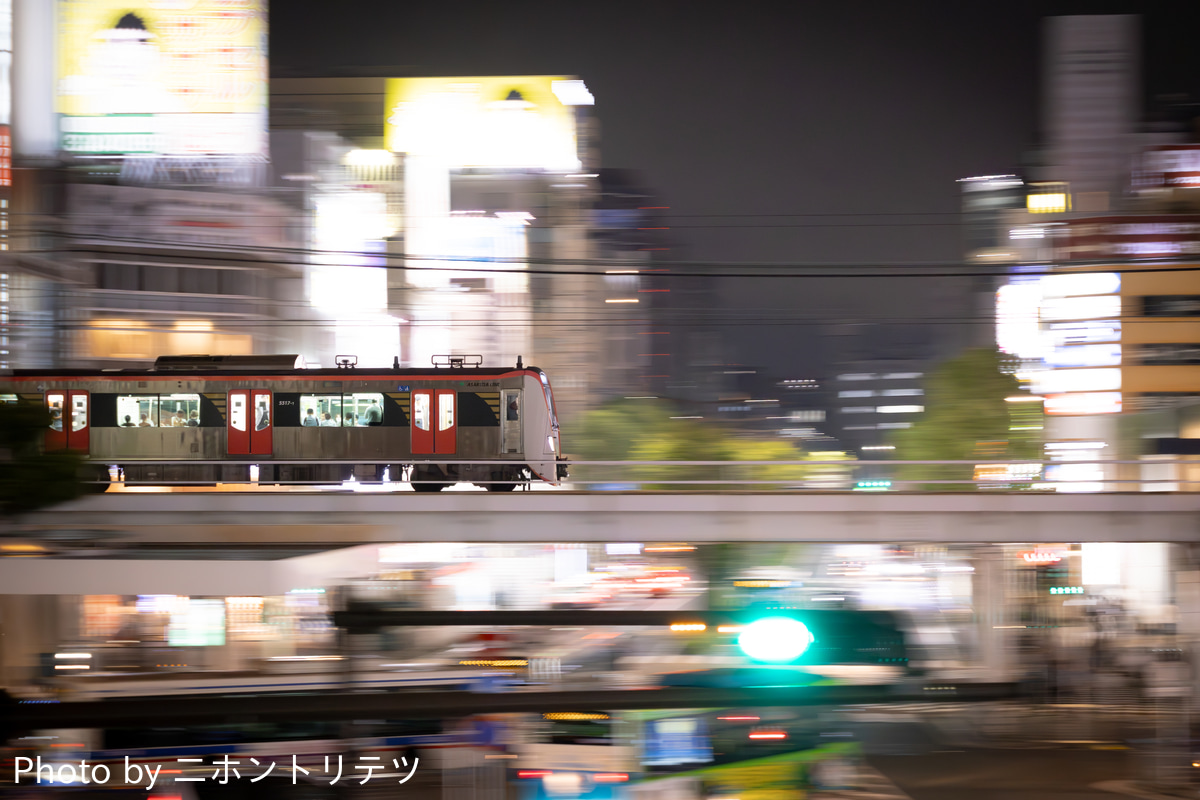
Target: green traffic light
x=775 y=639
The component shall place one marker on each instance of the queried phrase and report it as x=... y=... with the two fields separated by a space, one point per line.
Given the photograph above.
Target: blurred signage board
x=515 y=122
x=1167 y=236
x=152 y=216
x=1175 y=165
x=160 y=77
x=677 y=741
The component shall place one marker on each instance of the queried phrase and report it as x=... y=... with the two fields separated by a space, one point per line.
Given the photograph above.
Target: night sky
x=749 y=119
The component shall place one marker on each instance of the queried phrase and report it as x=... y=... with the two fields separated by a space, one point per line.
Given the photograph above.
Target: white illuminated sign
x=1076 y=380
x=1073 y=285
x=1065 y=333
x=162 y=77
x=1083 y=403
x=1017 y=329
x=519 y=122
x=1090 y=355
x=1065 y=308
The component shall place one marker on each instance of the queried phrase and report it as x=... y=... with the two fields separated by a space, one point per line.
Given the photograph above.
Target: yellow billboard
x=171 y=77
x=525 y=121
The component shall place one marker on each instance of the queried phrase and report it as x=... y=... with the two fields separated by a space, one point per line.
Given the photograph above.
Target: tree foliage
x=645 y=431
x=30 y=478
x=966 y=418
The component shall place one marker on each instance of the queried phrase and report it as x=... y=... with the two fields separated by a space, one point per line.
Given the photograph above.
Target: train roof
x=354 y=373
x=287 y=365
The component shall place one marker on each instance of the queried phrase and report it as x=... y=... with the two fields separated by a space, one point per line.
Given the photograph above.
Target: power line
x=878 y=269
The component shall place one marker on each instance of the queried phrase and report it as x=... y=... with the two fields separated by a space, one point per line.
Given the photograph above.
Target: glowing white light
x=1076 y=284
x=1017 y=329
x=899 y=409
x=572 y=93
x=1084 y=403
x=1101 y=564
x=1063 y=308
x=1091 y=355
x=1027 y=233
x=775 y=639
x=1099 y=331
x=370 y=158
x=1057 y=381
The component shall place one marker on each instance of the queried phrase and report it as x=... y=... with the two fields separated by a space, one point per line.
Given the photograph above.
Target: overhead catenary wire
x=590 y=267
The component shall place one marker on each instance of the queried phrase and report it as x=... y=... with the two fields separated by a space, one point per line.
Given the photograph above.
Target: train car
x=211 y=419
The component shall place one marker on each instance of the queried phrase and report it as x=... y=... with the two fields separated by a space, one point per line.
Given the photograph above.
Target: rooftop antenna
x=395 y=362
x=519 y=365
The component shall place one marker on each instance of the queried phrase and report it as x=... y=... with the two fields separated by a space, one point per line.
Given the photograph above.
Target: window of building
x=858 y=410
x=900 y=409
x=1184 y=305
x=321 y=410
x=902 y=392
x=857 y=376
x=1169 y=354
x=857 y=393
x=903 y=376
x=137 y=410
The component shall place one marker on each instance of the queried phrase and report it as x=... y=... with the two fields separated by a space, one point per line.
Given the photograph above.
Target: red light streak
x=610 y=777
x=534 y=773
x=769 y=735
x=740 y=719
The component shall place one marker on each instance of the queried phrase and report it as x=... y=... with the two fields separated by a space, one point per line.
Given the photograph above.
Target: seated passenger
x=327 y=421
x=194 y=420
x=309 y=420
x=349 y=420
x=128 y=423
x=145 y=423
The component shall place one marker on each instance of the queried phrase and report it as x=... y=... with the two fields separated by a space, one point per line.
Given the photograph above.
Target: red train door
x=260 y=434
x=446 y=438
x=70 y=426
x=434 y=421
x=422 y=421
x=80 y=424
x=238 y=423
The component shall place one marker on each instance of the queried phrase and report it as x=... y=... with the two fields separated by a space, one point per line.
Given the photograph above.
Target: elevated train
x=210 y=419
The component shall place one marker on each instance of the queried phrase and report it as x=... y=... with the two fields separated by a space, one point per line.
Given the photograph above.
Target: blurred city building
x=141 y=219
x=499 y=173
x=1109 y=350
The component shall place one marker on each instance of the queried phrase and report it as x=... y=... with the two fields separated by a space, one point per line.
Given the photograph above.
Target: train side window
x=446 y=411
x=326 y=410
x=420 y=410
x=364 y=408
x=137 y=411
x=7 y=399
x=54 y=404
x=179 y=411
x=79 y=411
x=237 y=411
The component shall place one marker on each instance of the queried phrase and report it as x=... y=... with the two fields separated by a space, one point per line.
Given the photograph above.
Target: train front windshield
x=549 y=399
